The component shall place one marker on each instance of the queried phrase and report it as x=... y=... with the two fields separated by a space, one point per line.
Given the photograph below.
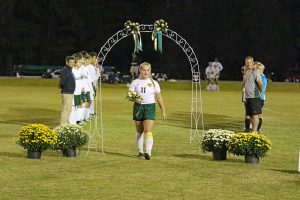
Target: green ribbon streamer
x=137 y=42
x=158 y=37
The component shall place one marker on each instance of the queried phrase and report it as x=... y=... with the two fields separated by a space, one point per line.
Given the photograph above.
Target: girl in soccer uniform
x=144 y=108
x=85 y=94
x=77 y=110
x=210 y=74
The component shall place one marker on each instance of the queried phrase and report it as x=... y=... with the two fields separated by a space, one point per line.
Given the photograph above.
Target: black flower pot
x=253 y=159
x=34 y=154
x=69 y=152
x=219 y=154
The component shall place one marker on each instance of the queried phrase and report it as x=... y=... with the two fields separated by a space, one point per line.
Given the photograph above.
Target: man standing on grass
x=67 y=86
x=253 y=85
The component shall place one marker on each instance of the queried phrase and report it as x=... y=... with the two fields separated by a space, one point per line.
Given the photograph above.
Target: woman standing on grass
x=144 y=108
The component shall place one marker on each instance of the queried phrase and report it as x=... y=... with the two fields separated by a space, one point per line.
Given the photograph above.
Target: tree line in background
x=44 y=32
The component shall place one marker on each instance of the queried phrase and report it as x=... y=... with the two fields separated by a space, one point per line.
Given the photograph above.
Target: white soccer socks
x=87 y=114
x=149 y=142
x=92 y=107
x=72 y=116
x=140 y=142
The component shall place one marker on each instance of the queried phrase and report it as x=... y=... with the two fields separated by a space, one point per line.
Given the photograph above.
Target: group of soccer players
x=86 y=73
x=212 y=73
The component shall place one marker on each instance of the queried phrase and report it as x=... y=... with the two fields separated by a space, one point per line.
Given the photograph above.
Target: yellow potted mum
x=251 y=145
x=36 y=138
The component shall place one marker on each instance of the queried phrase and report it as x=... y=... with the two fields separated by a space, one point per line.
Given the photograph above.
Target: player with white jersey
x=146 y=89
x=144 y=108
x=218 y=67
x=92 y=77
x=87 y=91
x=94 y=62
x=77 y=102
x=210 y=75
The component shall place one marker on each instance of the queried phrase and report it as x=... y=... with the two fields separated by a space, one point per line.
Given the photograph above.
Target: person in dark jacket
x=67 y=86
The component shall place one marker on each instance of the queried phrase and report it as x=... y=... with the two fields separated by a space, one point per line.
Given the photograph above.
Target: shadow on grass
x=192 y=156
x=24 y=155
x=52 y=153
x=16 y=122
x=203 y=157
x=85 y=150
x=10 y=154
x=211 y=121
x=120 y=154
x=285 y=171
x=27 y=116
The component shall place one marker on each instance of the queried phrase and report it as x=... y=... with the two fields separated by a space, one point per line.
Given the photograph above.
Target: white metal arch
x=196 y=101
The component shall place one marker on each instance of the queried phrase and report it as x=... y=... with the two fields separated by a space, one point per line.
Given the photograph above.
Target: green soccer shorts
x=143 y=112
x=77 y=100
x=85 y=97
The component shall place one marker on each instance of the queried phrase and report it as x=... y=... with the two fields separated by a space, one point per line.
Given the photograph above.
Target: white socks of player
x=148 y=137
x=72 y=116
x=92 y=107
x=149 y=142
x=212 y=87
x=87 y=114
x=140 y=142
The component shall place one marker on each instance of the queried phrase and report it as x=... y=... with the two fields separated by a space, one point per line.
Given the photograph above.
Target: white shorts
x=134 y=69
x=211 y=77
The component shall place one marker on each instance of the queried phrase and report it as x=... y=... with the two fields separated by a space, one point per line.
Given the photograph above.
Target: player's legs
x=260 y=116
x=148 y=125
x=136 y=71
x=139 y=137
x=132 y=72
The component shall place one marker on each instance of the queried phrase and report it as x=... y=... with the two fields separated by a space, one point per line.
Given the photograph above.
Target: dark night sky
x=45 y=31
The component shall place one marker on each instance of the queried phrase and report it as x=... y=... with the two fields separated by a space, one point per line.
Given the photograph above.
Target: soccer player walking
x=144 y=108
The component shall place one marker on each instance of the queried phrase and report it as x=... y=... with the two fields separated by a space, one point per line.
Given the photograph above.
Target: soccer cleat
x=140 y=155
x=147 y=156
x=80 y=123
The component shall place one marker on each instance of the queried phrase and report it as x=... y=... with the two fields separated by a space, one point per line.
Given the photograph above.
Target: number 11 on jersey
x=143 y=89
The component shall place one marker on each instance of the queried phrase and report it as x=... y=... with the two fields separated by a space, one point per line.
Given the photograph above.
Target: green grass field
x=177 y=170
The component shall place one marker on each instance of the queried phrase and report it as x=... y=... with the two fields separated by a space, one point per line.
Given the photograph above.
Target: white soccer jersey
x=92 y=73
x=78 y=80
x=86 y=80
x=97 y=75
x=146 y=88
x=210 y=72
x=218 y=66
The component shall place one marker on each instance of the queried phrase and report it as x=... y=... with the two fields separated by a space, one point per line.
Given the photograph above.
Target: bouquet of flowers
x=133 y=96
x=249 y=144
x=70 y=136
x=216 y=139
x=37 y=137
